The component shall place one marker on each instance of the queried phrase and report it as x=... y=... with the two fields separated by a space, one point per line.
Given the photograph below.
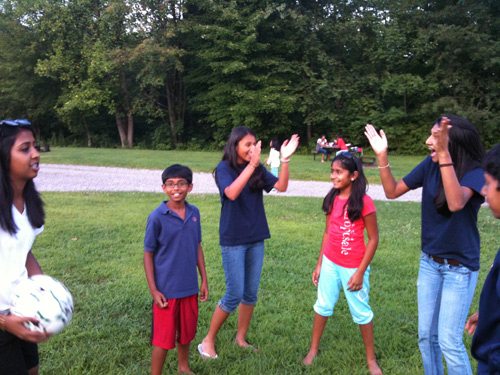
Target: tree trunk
x=89 y=136
x=122 y=132
x=130 y=129
x=124 y=115
x=171 y=112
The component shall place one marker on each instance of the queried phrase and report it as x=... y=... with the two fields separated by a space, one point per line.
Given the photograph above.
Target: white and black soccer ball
x=44 y=298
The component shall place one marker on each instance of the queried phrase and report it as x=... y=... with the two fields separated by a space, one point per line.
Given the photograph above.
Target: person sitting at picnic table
x=321 y=148
x=341 y=145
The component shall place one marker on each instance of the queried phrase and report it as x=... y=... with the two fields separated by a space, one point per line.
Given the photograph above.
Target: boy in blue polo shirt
x=172 y=252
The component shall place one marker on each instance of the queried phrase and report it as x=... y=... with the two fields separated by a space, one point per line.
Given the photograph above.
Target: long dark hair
x=466 y=152
x=230 y=154
x=32 y=199
x=355 y=201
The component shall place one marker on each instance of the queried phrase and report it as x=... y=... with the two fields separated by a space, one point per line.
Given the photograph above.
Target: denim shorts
x=242 y=266
x=332 y=279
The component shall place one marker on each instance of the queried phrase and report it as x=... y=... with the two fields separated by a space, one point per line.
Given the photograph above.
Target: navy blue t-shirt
x=243 y=220
x=486 y=341
x=174 y=243
x=455 y=236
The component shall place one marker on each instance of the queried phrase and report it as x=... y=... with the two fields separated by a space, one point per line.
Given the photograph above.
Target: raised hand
x=440 y=134
x=255 y=154
x=377 y=141
x=289 y=146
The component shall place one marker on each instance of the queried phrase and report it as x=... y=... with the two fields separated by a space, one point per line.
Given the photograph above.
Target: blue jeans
x=444 y=296
x=242 y=266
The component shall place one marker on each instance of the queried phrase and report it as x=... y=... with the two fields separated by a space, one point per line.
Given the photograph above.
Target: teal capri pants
x=332 y=279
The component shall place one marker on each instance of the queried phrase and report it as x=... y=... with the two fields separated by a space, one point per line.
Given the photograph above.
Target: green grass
x=93 y=242
x=302 y=167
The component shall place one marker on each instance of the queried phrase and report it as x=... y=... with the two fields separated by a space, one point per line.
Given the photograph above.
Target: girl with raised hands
x=242 y=179
x=451 y=179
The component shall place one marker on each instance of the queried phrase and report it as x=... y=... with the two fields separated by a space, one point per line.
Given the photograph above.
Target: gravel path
x=58 y=177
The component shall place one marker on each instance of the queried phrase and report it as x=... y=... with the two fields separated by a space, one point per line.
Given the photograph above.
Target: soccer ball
x=46 y=299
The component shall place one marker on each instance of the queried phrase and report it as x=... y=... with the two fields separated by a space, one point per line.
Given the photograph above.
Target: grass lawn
x=302 y=167
x=93 y=242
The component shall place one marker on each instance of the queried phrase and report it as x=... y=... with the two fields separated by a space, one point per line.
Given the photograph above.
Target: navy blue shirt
x=174 y=243
x=455 y=236
x=486 y=341
x=243 y=220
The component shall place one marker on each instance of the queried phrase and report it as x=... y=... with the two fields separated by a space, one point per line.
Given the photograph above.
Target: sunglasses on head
x=346 y=154
x=16 y=122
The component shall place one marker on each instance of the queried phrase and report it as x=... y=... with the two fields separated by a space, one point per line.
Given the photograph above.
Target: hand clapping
x=377 y=141
x=289 y=146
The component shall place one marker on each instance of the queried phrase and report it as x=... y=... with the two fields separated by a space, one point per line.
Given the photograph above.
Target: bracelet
x=446 y=165
x=285 y=160
x=3 y=322
x=385 y=166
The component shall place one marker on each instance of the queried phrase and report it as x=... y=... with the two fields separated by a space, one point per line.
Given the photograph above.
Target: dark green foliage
x=171 y=74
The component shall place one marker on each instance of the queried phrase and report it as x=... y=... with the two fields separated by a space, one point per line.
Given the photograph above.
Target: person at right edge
x=485 y=323
x=451 y=178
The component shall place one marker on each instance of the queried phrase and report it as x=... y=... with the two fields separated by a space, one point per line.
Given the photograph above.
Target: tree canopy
x=167 y=74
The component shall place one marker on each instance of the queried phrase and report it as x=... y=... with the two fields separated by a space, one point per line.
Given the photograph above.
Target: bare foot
x=309 y=358
x=245 y=345
x=374 y=368
x=207 y=349
x=185 y=370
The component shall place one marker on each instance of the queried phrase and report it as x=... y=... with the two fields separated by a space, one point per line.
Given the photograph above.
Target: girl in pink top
x=344 y=259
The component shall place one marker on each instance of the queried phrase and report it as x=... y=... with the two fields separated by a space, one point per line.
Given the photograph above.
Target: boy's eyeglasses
x=180 y=184
x=16 y=122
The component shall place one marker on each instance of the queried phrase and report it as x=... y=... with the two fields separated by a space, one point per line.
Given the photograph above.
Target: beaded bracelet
x=385 y=166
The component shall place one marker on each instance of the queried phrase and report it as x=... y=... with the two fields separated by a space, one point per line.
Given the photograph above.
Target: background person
x=21 y=219
x=172 y=252
x=241 y=180
x=451 y=179
x=321 y=147
x=485 y=324
x=273 y=159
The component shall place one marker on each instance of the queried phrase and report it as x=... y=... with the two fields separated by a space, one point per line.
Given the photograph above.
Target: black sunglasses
x=16 y=122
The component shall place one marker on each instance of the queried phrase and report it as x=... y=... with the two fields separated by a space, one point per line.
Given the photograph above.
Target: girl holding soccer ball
x=21 y=219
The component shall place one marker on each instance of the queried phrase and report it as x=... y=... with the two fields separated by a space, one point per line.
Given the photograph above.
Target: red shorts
x=175 y=323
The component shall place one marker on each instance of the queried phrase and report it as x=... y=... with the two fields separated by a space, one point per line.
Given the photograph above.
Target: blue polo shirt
x=243 y=220
x=455 y=236
x=174 y=243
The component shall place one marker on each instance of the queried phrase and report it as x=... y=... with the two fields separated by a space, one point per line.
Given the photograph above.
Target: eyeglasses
x=179 y=184
x=16 y=122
